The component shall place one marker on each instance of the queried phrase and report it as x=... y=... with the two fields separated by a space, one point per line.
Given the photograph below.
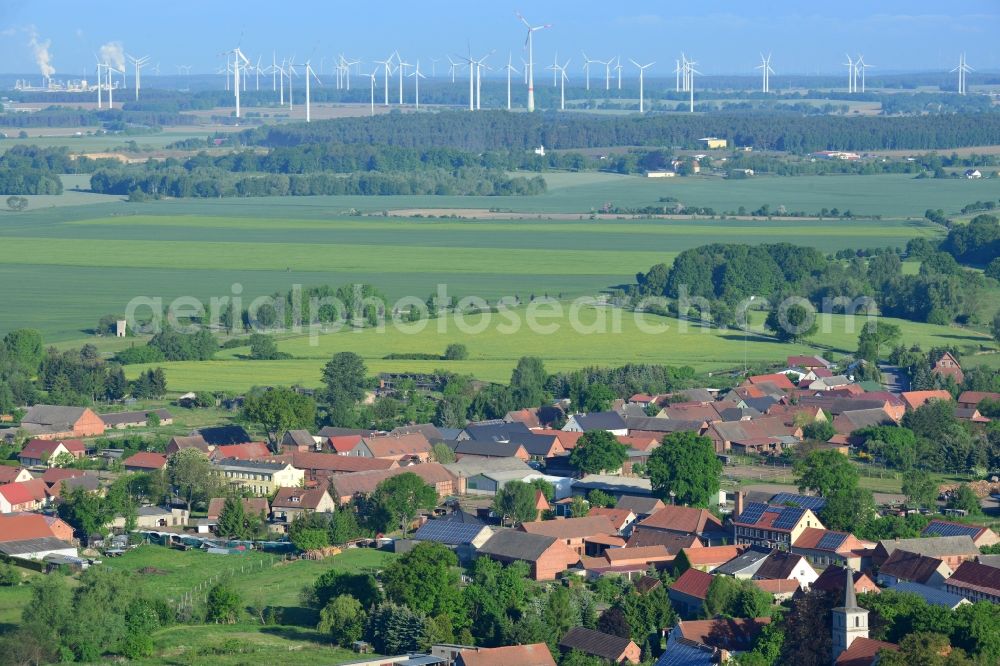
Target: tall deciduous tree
x=598 y=451
x=527 y=382
x=516 y=501
x=277 y=410
x=920 y=488
x=426 y=580
x=825 y=472
x=687 y=465
x=344 y=383
x=343 y=619
x=191 y=476
x=403 y=496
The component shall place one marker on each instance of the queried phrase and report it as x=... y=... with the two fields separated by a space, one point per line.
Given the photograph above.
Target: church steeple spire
x=849 y=621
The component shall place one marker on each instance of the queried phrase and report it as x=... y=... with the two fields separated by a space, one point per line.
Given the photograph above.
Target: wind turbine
x=691 y=72
x=434 y=62
x=850 y=73
x=309 y=71
x=99 y=83
x=400 y=65
x=859 y=68
x=555 y=70
x=962 y=69
x=677 y=73
x=256 y=70
x=291 y=72
x=685 y=73
x=387 y=70
x=642 y=72
x=452 y=66
x=416 y=82
x=510 y=69
x=618 y=67
x=139 y=64
x=607 y=74
x=480 y=66
x=586 y=67
x=372 y=76
x=530 y=43
x=561 y=72
x=766 y=71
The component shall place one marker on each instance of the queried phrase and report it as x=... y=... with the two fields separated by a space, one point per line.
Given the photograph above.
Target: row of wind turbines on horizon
x=239 y=68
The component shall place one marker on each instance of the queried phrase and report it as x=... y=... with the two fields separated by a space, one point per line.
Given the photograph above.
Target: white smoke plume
x=113 y=54
x=41 y=50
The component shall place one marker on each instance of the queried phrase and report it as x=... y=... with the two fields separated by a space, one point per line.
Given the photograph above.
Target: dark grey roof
x=225 y=435
x=731 y=414
x=652 y=424
x=299 y=438
x=600 y=421
x=486 y=448
x=153 y=511
x=331 y=431
x=516 y=544
x=460 y=516
x=638 y=505
x=533 y=443
x=449 y=433
x=779 y=565
x=589 y=641
x=631 y=409
x=931 y=595
x=747 y=563
x=697 y=395
x=838 y=406
x=28 y=546
x=448 y=532
x=428 y=430
x=53 y=415
x=493 y=431
x=761 y=405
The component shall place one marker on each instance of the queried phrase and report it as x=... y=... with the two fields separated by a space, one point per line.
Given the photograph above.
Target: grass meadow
x=493 y=352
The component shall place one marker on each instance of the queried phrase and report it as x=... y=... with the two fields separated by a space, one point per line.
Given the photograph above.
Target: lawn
x=494 y=351
x=243 y=644
x=172 y=573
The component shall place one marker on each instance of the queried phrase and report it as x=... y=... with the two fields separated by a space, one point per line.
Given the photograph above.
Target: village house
x=252 y=506
x=612 y=422
x=37 y=548
x=833 y=579
x=903 y=566
x=23 y=496
x=465 y=538
x=47 y=452
x=947 y=366
x=319 y=467
x=809 y=362
x=764 y=435
x=917 y=399
x=688 y=520
x=58 y=422
x=585 y=535
x=782 y=565
x=490 y=449
x=971 y=399
x=780 y=589
x=745 y=565
x=546 y=555
x=825 y=547
x=975 y=582
x=291 y=502
x=155 y=517
x=621 y=519
x=299 y=440
x=413 y=446
x=536 y=654
x=770 y=526
x=613 y=649
x=145 y=461
x=710 y=642
x=707 y=559
x=689 y=591
x=934 y=596
x=247 y=451
x=14 y=474
x=258 y=476
x=642 y=507
x=855 y=419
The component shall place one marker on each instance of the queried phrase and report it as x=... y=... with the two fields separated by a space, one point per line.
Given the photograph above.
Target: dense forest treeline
x=55 y=116
x=723 y=275
x=497 y=130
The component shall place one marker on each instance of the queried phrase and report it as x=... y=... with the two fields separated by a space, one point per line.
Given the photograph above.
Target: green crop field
x=238 y=644
x=494 y=351
x=83 y=261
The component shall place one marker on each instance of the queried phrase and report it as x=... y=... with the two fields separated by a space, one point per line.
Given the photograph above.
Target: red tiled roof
x=58 y=474
x=250 y=451
x=344 y=443
x=536 y=654
x=683 y=519
x=916 y=399
x=21 y=526
x=976 y=397
x=977 y=577
x=146 y=460
x=571 y=528
x=712 y=554
x=39 y=449
x=618 y=517
x=780 y=381
x=396 y=445
x=566 y=438
x=643 y=554
x=778 y=585
x=863 y=652
x=726 y=633
x=331 y=462
x=8 y=474
x=811 y=536
x=693 y=583
x=23 y=492
x=307 y=499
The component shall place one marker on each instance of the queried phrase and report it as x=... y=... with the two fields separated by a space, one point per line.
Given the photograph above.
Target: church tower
x=849 y=621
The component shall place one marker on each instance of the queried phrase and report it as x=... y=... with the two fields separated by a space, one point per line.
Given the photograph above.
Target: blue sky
x=724 y=37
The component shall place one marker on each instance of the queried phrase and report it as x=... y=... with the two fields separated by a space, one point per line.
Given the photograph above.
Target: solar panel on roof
x=449 y=532
x=789 y=516
x=805 y=501
x=752 y=512
x=947 y=529
x=831 y=541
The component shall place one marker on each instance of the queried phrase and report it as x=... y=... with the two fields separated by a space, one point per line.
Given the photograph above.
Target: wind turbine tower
x=642 y=71
x=139 y=64
x=510 y=70
x=962 y=69
x=691 y=72
x=766 y=71
x=586 y=68
x=850 y=74
x=532 y=29
x=561 y=72
x=310 y=72
x=416 y=82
